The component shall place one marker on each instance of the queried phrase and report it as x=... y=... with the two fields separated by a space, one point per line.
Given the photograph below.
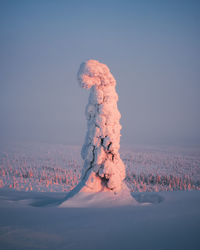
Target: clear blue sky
x=152 y=48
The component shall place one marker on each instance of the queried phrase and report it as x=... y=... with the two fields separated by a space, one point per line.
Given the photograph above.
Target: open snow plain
x=32 y=174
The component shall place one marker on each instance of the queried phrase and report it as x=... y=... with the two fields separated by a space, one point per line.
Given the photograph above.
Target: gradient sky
x=152 y=48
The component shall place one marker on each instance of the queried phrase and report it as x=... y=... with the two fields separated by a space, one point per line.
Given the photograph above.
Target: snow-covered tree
x=103 y=167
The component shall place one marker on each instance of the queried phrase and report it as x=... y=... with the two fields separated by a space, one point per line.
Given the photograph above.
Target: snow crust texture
x=100 y=151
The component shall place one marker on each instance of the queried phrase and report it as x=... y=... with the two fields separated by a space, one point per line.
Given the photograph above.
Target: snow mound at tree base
x=100 y=199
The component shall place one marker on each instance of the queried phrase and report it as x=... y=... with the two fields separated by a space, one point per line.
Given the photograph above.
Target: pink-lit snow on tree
x=103 y=168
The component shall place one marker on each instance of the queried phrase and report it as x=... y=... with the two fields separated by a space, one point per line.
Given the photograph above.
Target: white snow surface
x=170 y=221
x=100 y=199
x=100 y=151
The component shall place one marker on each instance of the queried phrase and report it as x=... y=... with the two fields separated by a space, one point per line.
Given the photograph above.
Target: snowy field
x=32 y=174
x=172 y=222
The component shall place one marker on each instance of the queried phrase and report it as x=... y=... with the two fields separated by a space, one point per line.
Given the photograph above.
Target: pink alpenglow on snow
x=103 y=168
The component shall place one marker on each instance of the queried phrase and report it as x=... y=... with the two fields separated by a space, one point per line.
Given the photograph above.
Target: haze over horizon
x=151 y=47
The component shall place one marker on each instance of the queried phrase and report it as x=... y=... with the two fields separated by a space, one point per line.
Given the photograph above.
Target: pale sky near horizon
x=151 y=47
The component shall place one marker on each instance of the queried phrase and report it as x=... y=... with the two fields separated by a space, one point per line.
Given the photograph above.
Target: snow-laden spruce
x=103 y=167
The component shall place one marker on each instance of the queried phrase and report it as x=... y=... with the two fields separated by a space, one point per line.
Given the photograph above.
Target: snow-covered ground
x=34 y=176
x=57 y=168
x=171 y=222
